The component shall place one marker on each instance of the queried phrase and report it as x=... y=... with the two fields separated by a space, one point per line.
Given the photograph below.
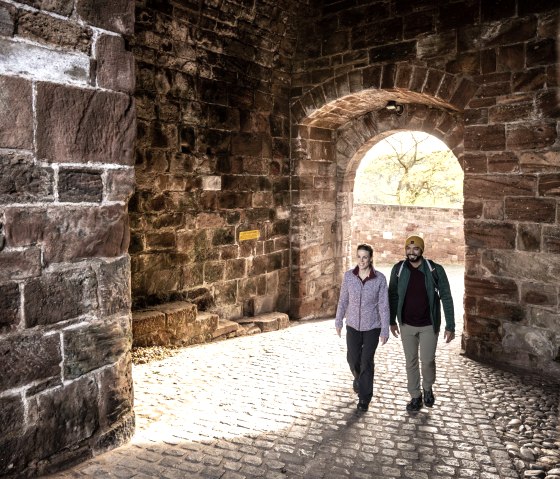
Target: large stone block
x=115 y=66
x=80 y=186
x=60 y=296
x=9 y=307
x=83 y=126
x=69 y=233
x=7 y=14
x=63 y=417
x=16 y=117
x=490 y=234
x=22 y=181
x=524 y=265
x=43 y=28
x=541 y=210
x=498 y=186
x=97 y=344
x=540 y=343
x=539 y=294
x=62 y=7
x=485 y=137
x=29 y=357
x=20 y=264
x=120 y=184
x=495 y=288
x=489 y=308
x=113 y=15
x=551 y=239
x=11 y=415
x=43 y=64
x=116 y=400
x=531 y=136
x=148 y=328
x=114 y=287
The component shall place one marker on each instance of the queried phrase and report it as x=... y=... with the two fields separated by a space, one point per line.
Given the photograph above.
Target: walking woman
x=364 y=301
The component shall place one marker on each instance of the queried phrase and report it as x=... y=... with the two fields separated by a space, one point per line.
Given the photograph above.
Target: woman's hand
x=383 y=340
x=338 y=330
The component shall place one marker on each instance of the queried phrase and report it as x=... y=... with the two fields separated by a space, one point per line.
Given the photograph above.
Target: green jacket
x=397 y=292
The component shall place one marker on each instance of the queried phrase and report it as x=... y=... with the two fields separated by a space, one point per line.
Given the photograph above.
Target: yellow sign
x=249 y=235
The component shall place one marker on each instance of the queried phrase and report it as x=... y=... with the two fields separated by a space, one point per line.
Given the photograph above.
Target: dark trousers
x=361 y=346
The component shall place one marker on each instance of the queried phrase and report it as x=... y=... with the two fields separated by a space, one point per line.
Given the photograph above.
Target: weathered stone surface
x=48 y=29
x=7 y=13
x=80 y=185
x=70 y=233
x=495 y=288
x=485 y=137
x=22 y=181
x=539 y=294
x=224 y=328
x=549 y=185
x=116 y=394
x=60 y=296
x=29 y=357
x=62 y=7
x=531 y=209
x=95 y=345
x=498 y=186
x=490 y=234
x=539 y=342
x=113 y=15
x=488 y=308
x=42 y=64
x=11 y=415
x=114 y=287
x=551 y=239
x=115 y=66
x=9 y=307
x=19 y=264
x=82 y=126
x=64 y=416
x=16 y=117
x=529 y=237
x=148 y=328
x=530 y=266
x=120 y=184
x=530 y=136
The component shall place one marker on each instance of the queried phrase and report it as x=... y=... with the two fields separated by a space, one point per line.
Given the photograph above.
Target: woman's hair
x=366 y=247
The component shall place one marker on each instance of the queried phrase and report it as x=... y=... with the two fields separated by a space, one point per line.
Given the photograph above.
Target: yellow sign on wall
x=249 y=235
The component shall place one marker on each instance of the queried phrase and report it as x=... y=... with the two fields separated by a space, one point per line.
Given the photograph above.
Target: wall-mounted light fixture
x=395 y=107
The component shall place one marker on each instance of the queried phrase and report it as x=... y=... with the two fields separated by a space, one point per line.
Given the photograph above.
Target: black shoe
x=355 y=386
x=429 y=398
x=415 y=404
x=363 y=406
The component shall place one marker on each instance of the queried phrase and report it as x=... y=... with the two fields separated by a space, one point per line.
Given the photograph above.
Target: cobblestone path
x=281 y=405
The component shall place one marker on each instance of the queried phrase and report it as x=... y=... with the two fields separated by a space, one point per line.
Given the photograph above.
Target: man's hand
x=338 y=331
x=383 y=340
x=448 y=336
x=395 y=330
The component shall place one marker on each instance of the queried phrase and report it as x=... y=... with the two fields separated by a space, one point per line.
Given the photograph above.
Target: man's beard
x=413 y=257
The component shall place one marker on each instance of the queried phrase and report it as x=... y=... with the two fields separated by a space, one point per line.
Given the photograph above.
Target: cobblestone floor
x=281 y=405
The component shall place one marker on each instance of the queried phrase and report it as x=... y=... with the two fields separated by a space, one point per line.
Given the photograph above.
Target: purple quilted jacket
x=365 y=305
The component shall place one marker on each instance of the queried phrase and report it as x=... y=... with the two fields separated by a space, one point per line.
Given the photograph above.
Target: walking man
x=416 y=287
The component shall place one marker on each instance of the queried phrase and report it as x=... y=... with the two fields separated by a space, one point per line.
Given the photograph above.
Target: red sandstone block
x=115 y=66
x=16 y=117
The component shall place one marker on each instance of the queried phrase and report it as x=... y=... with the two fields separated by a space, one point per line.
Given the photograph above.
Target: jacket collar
x=371 y=274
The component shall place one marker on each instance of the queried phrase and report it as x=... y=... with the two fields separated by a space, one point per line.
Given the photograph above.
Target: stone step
x=175 y=323
x=224 y=328
x=267 y=321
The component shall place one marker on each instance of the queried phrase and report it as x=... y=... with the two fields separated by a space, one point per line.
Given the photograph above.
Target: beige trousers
x=425 y=340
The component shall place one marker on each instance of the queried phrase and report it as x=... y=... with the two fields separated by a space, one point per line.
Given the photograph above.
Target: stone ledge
x=267 y=322
x=180 y=324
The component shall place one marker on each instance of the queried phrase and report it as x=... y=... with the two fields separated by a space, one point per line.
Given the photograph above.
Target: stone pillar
x=67 y=129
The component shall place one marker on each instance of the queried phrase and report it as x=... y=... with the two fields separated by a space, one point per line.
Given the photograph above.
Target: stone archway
x=333 y=136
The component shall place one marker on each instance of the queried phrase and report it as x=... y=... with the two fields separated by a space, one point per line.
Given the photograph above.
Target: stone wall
x=386 y=227
x=212 y=157
x=67 y=126
x=483 y=78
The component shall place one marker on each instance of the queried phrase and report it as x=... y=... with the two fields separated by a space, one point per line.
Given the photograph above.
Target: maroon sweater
x=416 y=307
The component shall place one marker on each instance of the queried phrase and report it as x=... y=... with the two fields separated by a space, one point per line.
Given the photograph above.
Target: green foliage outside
x=410 y=169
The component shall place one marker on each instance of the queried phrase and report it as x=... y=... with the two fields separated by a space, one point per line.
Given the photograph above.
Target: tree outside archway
x=410 y=169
